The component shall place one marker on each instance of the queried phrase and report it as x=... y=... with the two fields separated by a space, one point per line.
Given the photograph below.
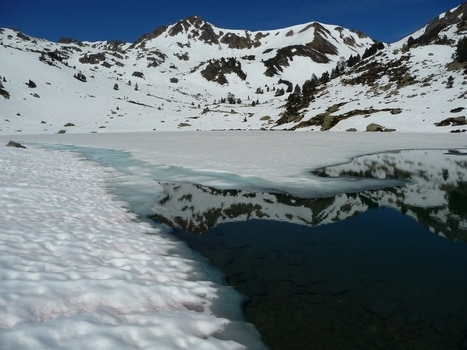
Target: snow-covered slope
x=177 y=76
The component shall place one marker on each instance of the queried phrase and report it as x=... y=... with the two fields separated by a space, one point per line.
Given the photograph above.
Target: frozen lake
x=313 y=251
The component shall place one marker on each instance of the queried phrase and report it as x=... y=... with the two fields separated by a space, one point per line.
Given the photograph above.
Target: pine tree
x=450 y=82
x=461 y=50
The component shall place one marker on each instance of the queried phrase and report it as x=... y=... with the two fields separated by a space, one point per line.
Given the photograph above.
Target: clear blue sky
x=127 y=20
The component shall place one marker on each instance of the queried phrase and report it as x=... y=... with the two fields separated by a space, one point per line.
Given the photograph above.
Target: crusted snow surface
x=79 y=271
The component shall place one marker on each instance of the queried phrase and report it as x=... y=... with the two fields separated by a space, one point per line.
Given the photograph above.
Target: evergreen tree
x=310 y=85
x=450 y=82
x=231 y=98
x=461 y=50
x=324 y=78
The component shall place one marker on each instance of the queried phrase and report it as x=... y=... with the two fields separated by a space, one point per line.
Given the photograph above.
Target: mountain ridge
x=192 y=75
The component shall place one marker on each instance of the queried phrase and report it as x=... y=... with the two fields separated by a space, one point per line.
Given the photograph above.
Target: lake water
x=383 y=269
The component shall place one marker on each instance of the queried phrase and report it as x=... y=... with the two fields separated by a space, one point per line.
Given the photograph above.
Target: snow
x=80 y=271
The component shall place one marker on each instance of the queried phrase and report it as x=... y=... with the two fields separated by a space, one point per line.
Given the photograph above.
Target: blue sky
x=127 y=20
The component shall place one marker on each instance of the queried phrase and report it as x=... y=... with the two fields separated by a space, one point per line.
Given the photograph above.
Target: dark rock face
x=452 y=121
x=453 y=17
x=15 y=144
x=196 y=28
x=235 y=41
x=284 y=55
x=156 y=58
x=217 y=69
x=93 y=58
x=70 y=41
x=157 y=32
x=320 y=44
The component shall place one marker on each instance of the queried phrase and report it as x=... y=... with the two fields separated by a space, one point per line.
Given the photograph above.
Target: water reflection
x=345 y=271
x=435 y=196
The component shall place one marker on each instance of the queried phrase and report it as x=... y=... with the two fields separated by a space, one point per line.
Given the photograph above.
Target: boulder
x=373 y=127
x=328 y=122
x=15 y=144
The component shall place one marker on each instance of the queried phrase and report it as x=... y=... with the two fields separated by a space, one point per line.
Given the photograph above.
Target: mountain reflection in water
x=349 y=271
x=436 y=196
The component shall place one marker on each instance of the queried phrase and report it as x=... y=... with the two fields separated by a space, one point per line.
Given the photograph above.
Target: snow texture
x=79 y=271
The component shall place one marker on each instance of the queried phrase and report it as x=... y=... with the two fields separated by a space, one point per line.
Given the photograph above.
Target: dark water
x=384 y=269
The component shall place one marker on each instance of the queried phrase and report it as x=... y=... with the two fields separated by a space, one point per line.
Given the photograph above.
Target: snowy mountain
x=192 y=75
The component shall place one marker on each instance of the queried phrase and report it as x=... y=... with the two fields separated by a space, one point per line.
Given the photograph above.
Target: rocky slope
x=192 y=75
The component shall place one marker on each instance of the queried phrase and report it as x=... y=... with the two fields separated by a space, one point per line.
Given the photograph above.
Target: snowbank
x=79 y=271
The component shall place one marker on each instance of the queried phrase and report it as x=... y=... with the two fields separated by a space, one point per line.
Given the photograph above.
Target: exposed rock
x=396 y=111
x=157 y=32
x=92 y=58
x=70 y=41
x=80 y=77
x=284 y=55
x=138 y=75
x=457 y=110
x=329 y=122
x=351 y=130
x=373 y=127
x=23 y=36
x=217 y=69
x=333 y=108
x=320 y=44
x=235 y=41
x=156 y=58
x=61 y=132
x=15 y=144
x=452 y=121
x=69 y=124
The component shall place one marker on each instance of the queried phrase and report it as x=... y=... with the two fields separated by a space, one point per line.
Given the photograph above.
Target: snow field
x=79 y=271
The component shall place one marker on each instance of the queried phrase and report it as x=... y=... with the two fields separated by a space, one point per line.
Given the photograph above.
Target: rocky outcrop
x=92 y=58
x=284 y=55
x=217 y=69
x=452 y=121
x=373 y=127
